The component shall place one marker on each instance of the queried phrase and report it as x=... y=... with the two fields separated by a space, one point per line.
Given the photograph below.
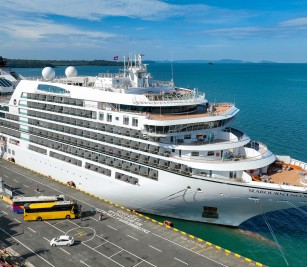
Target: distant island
x=29 y=63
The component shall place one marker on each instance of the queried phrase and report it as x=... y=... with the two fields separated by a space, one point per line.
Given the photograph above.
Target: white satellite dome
x=48 y=73
x=71 y=72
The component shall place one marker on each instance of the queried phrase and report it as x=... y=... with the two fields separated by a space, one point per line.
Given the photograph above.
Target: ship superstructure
x=148 y=145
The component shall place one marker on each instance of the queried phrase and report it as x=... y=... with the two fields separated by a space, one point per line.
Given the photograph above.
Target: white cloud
x=41 y=33
x=295 y=22
x=91 y=10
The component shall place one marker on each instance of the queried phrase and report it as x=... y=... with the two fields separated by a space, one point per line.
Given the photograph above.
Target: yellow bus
x=51 y=211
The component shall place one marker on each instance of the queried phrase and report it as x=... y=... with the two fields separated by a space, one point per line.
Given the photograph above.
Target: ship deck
x=122 y=238
x=285 y=175
x=217 y=110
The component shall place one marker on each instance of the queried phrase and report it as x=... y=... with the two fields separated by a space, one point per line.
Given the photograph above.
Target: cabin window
x=126 y=120
x=194 y=153
x=117 y=118
x=135 y=122
x=101 y=116
x=187 y=136
x=109 y=117
x=210 y=153
x=232 y=175
x=199 y=136
x=210 y=212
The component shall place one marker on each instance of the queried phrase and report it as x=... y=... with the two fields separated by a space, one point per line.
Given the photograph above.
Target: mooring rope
x=273 y=234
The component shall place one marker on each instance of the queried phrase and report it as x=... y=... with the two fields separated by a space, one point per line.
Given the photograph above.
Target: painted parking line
x=112 y=227
x=85 y=263
x=46 y=239
x=54 y=227
x=32 y=230
x=116 y=253
x=155 y=248
x=65 y=251
x=5 y=176
x=4 y=212
x=206 y=257
x=181 y=261
x=102 y=254
x=17 y=220
x=25 y=185
x=15 y=181
x=100 y=245
x=27 y=248
x=133 y=237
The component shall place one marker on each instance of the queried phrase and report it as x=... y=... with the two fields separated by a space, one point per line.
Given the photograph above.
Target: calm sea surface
x=273 y=103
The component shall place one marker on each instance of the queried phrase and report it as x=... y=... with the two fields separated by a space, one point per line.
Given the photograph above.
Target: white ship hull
x=236 y=202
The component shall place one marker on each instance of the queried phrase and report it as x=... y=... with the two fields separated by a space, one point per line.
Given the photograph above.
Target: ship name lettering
x=266 y=192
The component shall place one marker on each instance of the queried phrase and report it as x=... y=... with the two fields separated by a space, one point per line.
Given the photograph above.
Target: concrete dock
x=122 y=238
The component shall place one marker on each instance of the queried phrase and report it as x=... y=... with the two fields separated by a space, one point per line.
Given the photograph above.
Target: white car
x=63 y=240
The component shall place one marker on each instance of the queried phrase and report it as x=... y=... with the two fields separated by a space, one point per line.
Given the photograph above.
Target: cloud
x=43 y=32
x=295 y=22
x=93 y=10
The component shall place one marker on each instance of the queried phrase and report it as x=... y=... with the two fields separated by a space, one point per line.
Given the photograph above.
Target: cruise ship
x=8 y=78
x=148 y=145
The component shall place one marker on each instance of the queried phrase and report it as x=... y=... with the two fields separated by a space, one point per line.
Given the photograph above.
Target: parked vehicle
x=63 y=240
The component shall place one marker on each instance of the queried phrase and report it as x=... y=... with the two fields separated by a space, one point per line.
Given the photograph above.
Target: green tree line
x=29 y=63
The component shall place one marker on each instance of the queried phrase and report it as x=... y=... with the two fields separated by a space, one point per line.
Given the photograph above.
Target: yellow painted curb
x=7 y=200
x=237 y=255
x=259 y=264
x=247 y=259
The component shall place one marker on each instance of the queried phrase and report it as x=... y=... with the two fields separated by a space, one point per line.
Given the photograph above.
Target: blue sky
x=186 y=29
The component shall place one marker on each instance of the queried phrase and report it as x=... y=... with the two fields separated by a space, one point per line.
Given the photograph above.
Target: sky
x=255 y=30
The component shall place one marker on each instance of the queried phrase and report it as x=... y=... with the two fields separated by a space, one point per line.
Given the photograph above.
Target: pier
x=122 y=238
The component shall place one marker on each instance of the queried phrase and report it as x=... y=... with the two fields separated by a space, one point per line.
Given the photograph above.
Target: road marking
x=133 y=237
x=74 y=223
x=100 y=245
x=124 y=250
x=81 y=201
x=26 y=185
x=84 y=263
x=116 y=253
x=5 y=176
x=4 y=212
x=103 y=255
x=65 y=251
x=181 y=261
x=94 y=219
x=190 y=250
x=112 y=227
x=15 y=180
x=17 y=220
x=58 y=222
x=46 y=239
x=54 y=227
x=155 y=248
x=27 y=247
x=32 y=230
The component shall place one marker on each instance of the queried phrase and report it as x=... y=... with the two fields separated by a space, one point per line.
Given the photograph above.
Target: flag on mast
x=116 y=58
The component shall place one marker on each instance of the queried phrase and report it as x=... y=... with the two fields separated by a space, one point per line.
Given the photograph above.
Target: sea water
x=272 y=99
